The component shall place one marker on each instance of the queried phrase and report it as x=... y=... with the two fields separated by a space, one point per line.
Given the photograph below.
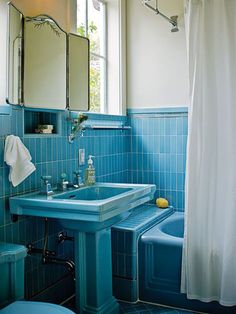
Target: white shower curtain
x=209 y=254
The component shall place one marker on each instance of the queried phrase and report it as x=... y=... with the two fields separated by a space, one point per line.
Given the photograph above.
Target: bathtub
x=160 y=255
x=160 y=259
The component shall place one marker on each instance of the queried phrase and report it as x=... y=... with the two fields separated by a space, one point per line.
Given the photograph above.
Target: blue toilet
x=12 y=284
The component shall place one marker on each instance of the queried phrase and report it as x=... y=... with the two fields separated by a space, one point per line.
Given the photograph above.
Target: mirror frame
x=67 y=105
x=68 y=72
x=21 y=91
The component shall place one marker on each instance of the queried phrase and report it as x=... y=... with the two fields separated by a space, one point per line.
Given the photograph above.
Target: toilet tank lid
x=11 y=252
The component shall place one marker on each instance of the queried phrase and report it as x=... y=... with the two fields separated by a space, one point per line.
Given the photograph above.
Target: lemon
x=162 y=203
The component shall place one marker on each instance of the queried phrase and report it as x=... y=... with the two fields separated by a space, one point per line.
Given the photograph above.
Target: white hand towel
x=17 y=156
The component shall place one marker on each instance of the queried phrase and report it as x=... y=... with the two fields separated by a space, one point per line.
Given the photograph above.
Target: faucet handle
x=77 y=172
x=63 y=176
x=78 y=180
x=62 y=186
x=47 y=188
x=46 y=179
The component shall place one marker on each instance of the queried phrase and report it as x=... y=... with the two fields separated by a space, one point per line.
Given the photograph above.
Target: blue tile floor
x=143 y=308
x=139 y=308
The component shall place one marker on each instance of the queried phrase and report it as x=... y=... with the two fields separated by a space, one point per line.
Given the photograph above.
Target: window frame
x=102 y=56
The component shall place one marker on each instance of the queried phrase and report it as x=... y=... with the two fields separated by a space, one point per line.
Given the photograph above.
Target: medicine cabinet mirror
x=44 y=63
x=78 y=72
x=47 y=68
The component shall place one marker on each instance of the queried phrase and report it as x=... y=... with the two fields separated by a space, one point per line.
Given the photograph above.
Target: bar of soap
x=162 y=203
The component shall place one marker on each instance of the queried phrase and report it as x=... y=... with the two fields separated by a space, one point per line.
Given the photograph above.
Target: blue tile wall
x=153 y=152
x=158 y=152
x=52 y=155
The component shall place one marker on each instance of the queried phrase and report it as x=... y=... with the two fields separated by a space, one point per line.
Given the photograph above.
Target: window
x=103 y=22
x=91 y=23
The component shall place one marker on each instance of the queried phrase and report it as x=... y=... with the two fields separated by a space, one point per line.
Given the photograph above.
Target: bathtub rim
x=155 y=234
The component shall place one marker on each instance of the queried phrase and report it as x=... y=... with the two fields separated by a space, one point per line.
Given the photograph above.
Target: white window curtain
x=209 y=254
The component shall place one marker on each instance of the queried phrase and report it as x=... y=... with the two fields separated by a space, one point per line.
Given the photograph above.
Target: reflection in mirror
x=78 y=73
x=14 y=56
x=44 y=63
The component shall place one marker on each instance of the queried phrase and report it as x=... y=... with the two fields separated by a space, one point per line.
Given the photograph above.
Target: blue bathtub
x=160 y=258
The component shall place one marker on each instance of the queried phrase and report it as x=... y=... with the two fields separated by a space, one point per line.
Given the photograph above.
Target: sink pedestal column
x=94 y=272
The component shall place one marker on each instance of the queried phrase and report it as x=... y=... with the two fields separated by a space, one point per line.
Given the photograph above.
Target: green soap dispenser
x=90 y=172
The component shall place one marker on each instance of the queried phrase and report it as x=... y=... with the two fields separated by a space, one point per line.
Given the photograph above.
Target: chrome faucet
x=63 y=185
x=47 y=187
x=78 y=179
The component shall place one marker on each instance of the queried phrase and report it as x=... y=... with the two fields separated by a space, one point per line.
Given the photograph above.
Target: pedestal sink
x=89 y=212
